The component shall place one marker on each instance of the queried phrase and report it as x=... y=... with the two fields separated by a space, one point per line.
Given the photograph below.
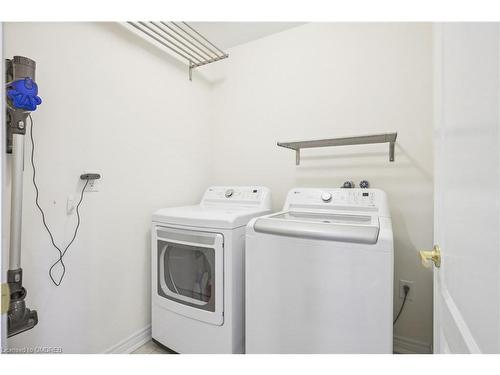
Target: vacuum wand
x=22 y=98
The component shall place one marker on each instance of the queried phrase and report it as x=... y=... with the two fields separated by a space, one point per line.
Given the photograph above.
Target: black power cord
x=61 y=252
x=406 y=289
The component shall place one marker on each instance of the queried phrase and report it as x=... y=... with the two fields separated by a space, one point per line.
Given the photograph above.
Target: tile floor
x=150 y=348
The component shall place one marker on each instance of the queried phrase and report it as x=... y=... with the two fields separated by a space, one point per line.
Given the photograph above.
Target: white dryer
x=319 y=274
x=198 y=270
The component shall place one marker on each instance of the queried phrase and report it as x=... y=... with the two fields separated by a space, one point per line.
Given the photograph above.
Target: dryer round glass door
x=189 y=273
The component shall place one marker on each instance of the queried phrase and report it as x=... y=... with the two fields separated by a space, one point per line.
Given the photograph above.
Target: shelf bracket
x=391 y=149
x=345 y=141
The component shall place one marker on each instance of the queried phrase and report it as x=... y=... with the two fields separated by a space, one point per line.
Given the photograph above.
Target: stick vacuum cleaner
x=22 y=99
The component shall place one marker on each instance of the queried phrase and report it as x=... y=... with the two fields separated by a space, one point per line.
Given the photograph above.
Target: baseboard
x=402 y=345
x=131 y=343
x=405 y=345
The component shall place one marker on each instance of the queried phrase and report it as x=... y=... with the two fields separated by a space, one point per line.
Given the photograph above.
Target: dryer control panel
x=237 y=195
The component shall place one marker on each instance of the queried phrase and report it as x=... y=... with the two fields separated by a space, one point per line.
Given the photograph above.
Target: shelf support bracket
x=391 y=149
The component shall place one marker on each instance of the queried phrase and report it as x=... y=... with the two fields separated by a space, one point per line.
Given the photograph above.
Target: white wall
x=329 y=80
x=159 y=139
x=111 y=103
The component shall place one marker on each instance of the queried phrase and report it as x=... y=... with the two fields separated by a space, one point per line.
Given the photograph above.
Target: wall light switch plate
x=70 y=205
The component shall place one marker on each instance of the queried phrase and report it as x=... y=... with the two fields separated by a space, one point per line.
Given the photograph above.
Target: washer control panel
x=336 y=197
x=339 y=200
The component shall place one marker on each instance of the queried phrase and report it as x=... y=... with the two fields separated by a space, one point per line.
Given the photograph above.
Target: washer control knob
x=364 y=184
x=326 y=196
x=229 y=193
x=348 y=185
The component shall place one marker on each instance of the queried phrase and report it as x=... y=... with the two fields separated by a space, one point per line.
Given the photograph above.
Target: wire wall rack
x=183 y=40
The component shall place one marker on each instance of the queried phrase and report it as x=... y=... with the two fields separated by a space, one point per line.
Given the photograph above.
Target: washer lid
x=321 y=226
x=207 y=216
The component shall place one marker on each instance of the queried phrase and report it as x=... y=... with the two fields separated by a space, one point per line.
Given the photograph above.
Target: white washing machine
x=198 y=270
x=319 y=274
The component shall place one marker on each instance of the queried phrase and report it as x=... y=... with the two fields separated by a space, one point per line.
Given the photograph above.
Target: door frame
x=438 y=102
x=3 y=213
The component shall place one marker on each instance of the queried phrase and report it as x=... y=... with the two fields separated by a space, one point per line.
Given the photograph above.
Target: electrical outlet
x=402 y=283
x=93 y=185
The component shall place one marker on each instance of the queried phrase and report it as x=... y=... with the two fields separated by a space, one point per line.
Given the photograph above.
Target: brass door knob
x=433 y=255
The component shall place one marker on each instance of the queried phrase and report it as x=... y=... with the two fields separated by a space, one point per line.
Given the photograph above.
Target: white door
x=467 y=181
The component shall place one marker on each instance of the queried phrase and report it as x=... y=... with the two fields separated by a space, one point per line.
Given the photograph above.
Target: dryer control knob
x=364 y=184
x=326 y=197
x=229 y=193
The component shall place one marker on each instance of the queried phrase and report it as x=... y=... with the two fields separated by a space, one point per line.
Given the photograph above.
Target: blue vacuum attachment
x=23 y=94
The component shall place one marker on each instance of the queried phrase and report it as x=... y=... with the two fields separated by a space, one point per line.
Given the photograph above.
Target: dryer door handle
x=190 y=238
